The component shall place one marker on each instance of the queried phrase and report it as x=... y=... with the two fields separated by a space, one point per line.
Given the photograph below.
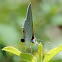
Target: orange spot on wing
x=24 y=31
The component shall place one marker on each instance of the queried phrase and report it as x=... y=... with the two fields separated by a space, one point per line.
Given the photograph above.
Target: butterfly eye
x=32 y=41
x=22 y=40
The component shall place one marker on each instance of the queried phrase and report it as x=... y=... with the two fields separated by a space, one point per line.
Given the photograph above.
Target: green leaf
x=52 y=53
x=27 y=57
x=12 y=50
x=40 y=52
x=24 y=56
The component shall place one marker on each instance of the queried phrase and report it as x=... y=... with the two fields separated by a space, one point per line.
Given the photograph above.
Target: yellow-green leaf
x=52 y=53
x=12 y=50
x=27 y=57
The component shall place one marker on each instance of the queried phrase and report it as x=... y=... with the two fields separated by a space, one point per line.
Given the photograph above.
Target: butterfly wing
x=28 y=26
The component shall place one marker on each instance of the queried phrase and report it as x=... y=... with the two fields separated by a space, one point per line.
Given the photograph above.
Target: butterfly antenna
x=40 y=40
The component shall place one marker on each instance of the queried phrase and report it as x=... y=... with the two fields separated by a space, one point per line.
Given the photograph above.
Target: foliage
x=30 y=58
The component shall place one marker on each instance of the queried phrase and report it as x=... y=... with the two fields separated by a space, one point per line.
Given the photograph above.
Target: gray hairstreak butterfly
x=28 y=34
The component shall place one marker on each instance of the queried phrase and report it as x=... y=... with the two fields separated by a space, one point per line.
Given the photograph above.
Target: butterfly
x=28 y=34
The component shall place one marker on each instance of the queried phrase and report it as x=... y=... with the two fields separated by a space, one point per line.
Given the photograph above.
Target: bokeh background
x=47 y=21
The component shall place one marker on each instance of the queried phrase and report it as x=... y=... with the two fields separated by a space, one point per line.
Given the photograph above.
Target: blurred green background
x=47 y=21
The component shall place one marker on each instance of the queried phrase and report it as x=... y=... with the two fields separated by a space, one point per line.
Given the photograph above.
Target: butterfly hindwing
x=28 y=28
